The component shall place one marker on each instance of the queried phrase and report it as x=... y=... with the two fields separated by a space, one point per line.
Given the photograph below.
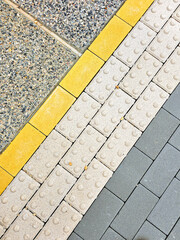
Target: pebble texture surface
x=77 y=21
x=31 y=64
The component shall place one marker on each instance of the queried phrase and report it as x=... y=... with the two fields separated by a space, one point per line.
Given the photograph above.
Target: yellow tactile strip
x=57 y=104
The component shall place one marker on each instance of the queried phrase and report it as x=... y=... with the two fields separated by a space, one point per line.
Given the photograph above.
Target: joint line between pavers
x=39 y=24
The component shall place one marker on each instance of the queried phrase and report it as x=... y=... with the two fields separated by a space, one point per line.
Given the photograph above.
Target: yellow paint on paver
x=110 y=38
x=132 y=10
x=21 y=149
x=5 y=179
x=81 y=73
x=53 y=109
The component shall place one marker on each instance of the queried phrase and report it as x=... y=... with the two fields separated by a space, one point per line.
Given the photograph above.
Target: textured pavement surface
x=110 y=168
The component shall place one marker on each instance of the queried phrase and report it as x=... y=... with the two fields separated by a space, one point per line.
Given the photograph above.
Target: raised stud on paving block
x=111 y=112
x=88 y=186
x=51 y=193
x=166 y=40
x=78 y=116
x=61 y=223
x=47 y=156
x=176 y=14
x=134 y=44
x=159 y=13
x=21 y=149
x=118 y=145
x=82 y=151
x=109 y=38
x=169 y=76
x=5 y=179
x=140 y=75
x=132 y=10
x=147 y=106
x=107 y=79
x=81 y=73
x=26 y=226
x=15 y=197
x=52 y=110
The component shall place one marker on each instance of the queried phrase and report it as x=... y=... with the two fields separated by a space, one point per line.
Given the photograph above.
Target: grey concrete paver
x=175 y=233
x=157 y=134
x=175 y=139
x=134 y=212
x=167 y=211
x=162 y=171
x=99 y=216
x=173 y=103
x=110 y=234
x=148 y=231
x=129 y=173
x=74 y=236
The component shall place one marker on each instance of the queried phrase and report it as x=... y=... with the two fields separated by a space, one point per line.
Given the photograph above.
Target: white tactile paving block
x=88 y=186
x=159 y=13
x=83 y=151
x=15 y=197
x=118 y=145
x=112 y=111
x=25 y=227
x=169 y=76
x=51 y=193
x=61 y=223
x=77 y=118
x=134 y=44
x=176 y=14
x=2 y=230
x=47 y=156
x=166 y=40
x=107 y=79
x=147 y=106
x=140 y=75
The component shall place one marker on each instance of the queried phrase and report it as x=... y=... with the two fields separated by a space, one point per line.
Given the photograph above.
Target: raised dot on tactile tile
x=129 y=60
x=106 y=129
x=176 y=77
x=142 y=123
x=84 y=98
x=35 y=225
x=25 y=216
x=47 y=232
x=142 y=82
x=74 y=152
x=148 y=114
x=31 y=186
x=98 y=80
x=33 y=205
x=162 y=55
x=87 y=176
x=50 y=183
x=112 y=163
x=138 y=106
x=42 y=194
x=13 y=189
x=52 y=202
x=21 y=178
x=125 y=84
x=139 y=66
x=105 y=174
x=136 y=51
x=86 y=115
x=69 y=118
x=48 y=165
x=113 y=62
x=98 y=184
x=131 y=116
x=58 y=173
x=95 y=165
x=155 y=105
x=64 y=209
x=147 y=19
x=60 y=191
x=72 y=198
x=82 y=206
x=162 y=95
x=76 y=108
x=4 y=200
x=110 y=145
x=71 y=134
x=66 y=229
x=115 y=78
x=6 y=219
x=54 y=136
x=90 y=195
x=94 y=105
x=14 y=208
x=152 y=89
x=38 y=158
x=30 y=167
x=127 y=144
x=56 y=220
x=26 y=237
x=23 y=197
x=146 y=98
x=155 y=64
x=45 y=147
x=81 y=141
x=76 y=169
x=134 y=133
x=102 y=156
x=80 y=187
x=135 y=91
x=113 y=120
x=99 y=139
x=92 y=149
x=152 y=49
x=16 y=228
x=79 y=125
x=175 y=38
x=68 y=180
x=43 y=214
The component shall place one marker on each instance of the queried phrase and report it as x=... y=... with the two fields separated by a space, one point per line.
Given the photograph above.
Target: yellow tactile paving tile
x=5 y=179
x=110 y=37
x=132 y=10
x=21 y=149
x=53 y=109
x=81 y=73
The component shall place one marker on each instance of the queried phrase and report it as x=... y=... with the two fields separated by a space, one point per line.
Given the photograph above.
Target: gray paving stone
x=74 y=236
x=167 y=211
x=175 y=233
x=110 y=234
x=157 y=134
x=173 y=103
x=129 y=173
x=162 y=171
x=175 y=139
x=134 y=212
x=178 y=175
x=99 y=216
x=148 y=231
